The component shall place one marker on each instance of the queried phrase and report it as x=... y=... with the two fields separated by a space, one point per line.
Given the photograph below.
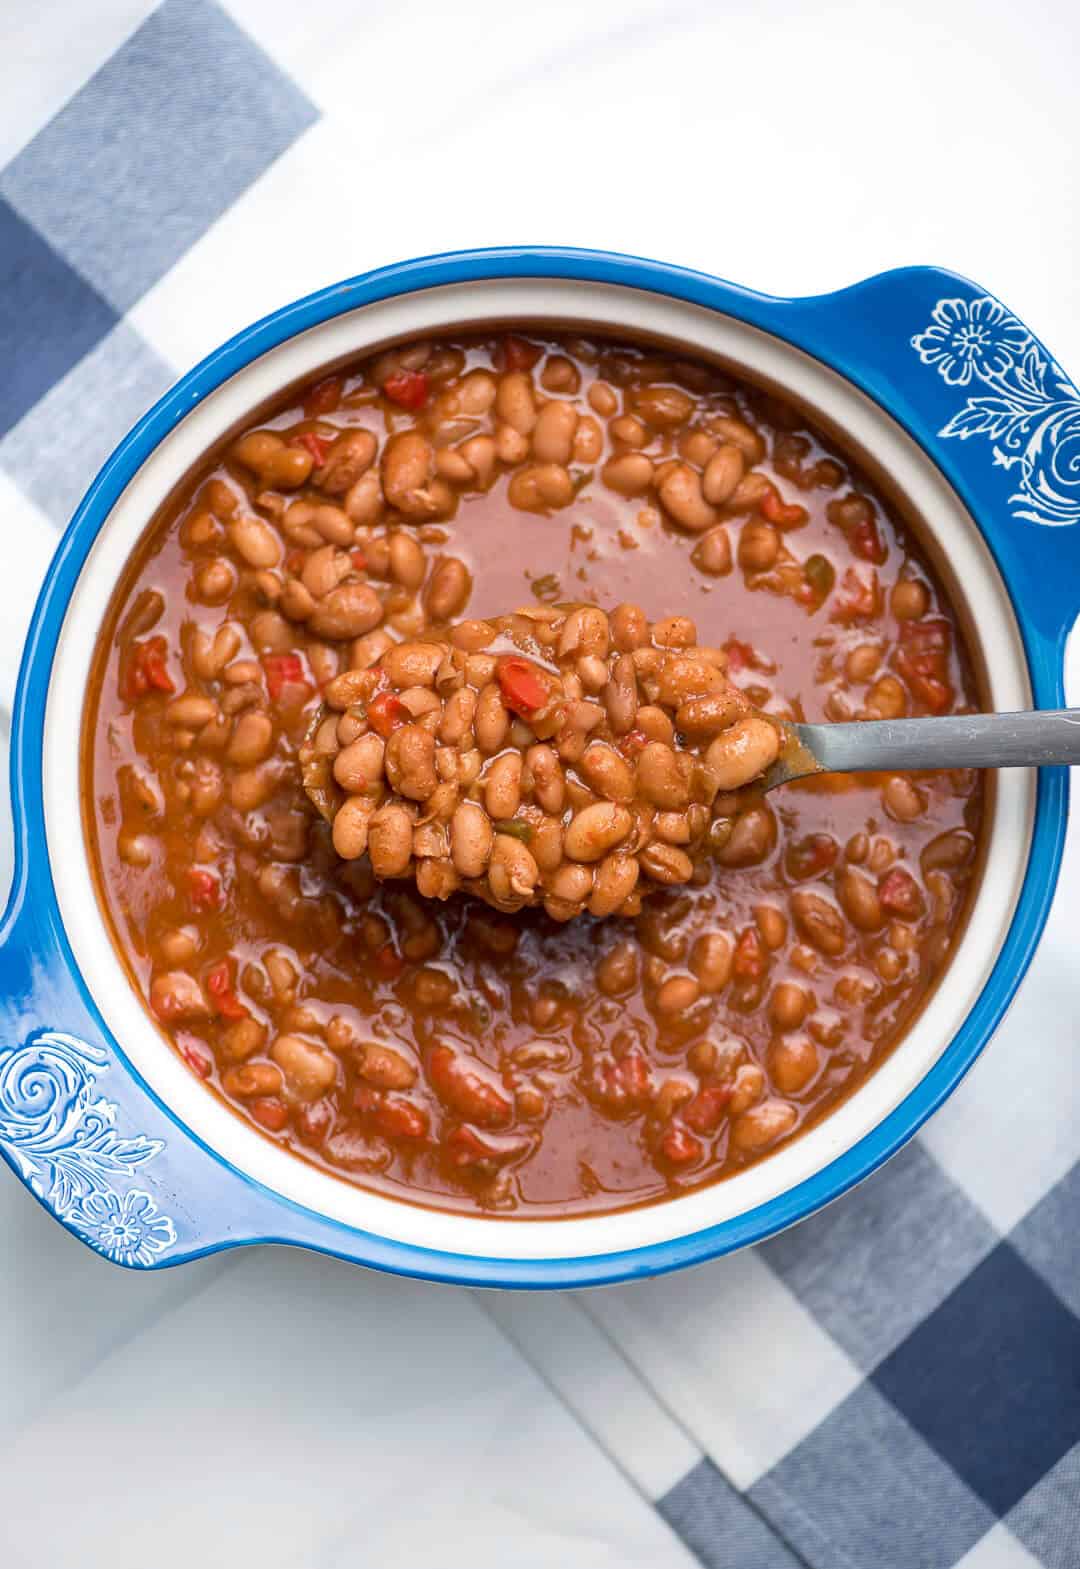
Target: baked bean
x=902 y=799
x=617 y=972
x=253 y=1078
x=351 y=824
x=886 y=699
x=471 y=837
x=553 y=433
x=309 y=1070
x=664 y=408
x=862 y=663
x=910 y=599
x=677 y=994
x=712 y=553
x=666 y=863
x=723 y=472
x=629 y=430
x=630 y=473
x=659 y=778
x=596 y=830
x=502 y=786
x=752 y=838
x=390 y=840
x=759 y=546
x=771 y=924
x=763 y=1125
x=681 y=493
x=615 y=881
x=540 y=487
x=448 y=589
x=349 y=455
x=548 y=781
x=214 y=582
x=819 y=922
x=359 y=766
x=602 y=399
x=252 y=738
x=512 y=871
x=364 y=500
x=407 y=562
x=492 y=722
x=859 y=900
x=413 y=664
x=789 y=1004
x=743 y=751
x=629 y=627
x=347 y=612
x=410 y=762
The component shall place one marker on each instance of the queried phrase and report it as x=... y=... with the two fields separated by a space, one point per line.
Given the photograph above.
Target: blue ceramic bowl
x=936 y=380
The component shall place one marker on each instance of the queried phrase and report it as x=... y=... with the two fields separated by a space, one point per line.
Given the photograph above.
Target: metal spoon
x=1024 y=740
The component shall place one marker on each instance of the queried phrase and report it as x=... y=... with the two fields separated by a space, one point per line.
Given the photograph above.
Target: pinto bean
x=722 y=474
x=553 y=433
x=502 y=786
x=743 y=751
x=608 y=773
x=615 y=880
x=471 y=837
x=348 y=611
x=514 y=402
x=390 y=840
x=819 y=922
x=712 y=553
x=309 y=1070
x=448 y=589
x=684 y=501
x=410 y=762
x=351 y=823
x=349 y=456
x=659 y=778
x=763 y=1125
x=595 y=830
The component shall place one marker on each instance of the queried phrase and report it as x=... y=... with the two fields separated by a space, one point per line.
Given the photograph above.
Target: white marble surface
x=289 y=1411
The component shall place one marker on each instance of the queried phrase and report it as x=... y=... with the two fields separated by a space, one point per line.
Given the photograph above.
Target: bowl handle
x=989 y=404
x=86 y=1135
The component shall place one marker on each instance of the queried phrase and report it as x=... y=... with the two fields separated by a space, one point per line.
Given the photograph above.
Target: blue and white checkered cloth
x=893 y=1385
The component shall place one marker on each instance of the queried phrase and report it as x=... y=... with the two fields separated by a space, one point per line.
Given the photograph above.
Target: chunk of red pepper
x=523 y=692
x=196 y=1061
x=283 y=670
x=146 y=670
x=900 y=894
x=784 y=514
x=204 y=889
x=407 y=388
x=386 y=712
x=317 y=445
x=923 y=661
x=866 y=542
x=219 y=984
x=749 y=961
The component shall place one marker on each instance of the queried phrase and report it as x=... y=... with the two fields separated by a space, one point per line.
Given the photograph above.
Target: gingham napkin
x=896 y=1383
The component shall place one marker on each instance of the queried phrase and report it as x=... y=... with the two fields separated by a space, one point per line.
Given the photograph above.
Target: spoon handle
x=1023 y=740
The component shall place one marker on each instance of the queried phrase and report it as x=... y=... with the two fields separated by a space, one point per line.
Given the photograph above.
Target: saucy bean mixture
x=562 y=778
x=550 y=1049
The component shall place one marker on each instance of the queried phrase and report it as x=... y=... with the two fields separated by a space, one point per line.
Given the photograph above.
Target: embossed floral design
x=64 y=1141
x=969 y=338
x=126 y=1227
x=1030 y=411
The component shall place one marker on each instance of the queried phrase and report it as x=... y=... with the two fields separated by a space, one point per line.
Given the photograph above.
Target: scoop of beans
x=556 y=756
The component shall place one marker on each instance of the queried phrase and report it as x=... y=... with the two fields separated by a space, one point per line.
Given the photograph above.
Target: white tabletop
x=278 y=1409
